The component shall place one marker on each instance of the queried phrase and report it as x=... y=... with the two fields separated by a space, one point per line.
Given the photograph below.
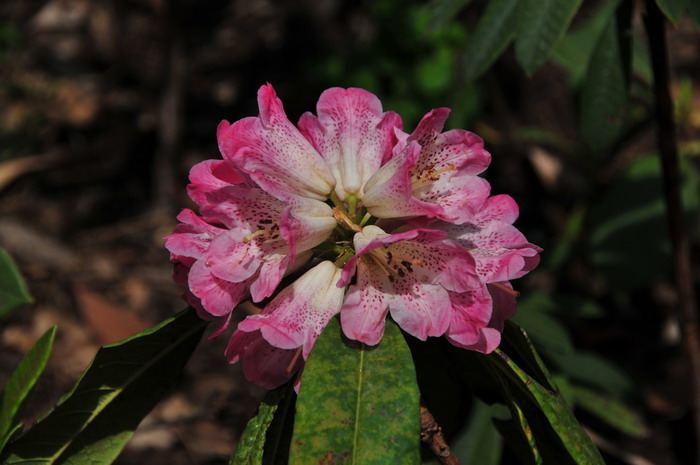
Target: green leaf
x=694 y=13
x=674 y=9
x=574 y=50
x=92 y=423
x=494 y=32
x=480 y=442
x=546 y=397
x=547 y=332
x=357 y=404
x=259 y=445
x=541 y=24
x=21 y=384
x=606 y=86
x=13 y=289
x=588 y=368
x=442 y=11
x=611 y=411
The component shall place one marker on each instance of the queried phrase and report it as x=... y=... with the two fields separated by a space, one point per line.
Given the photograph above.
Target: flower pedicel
x=369 y=219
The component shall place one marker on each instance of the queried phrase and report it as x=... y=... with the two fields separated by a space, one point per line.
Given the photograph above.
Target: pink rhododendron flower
x=364 y=219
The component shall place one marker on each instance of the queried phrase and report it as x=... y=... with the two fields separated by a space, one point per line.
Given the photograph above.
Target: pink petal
x=263 y=364
x=388 y=193
x=210 y=175
x=366 y=305
x=470 y=314
x=218 y=297
x=352 y=134
x=299 y=313
x=191 y=238
x=274 y=153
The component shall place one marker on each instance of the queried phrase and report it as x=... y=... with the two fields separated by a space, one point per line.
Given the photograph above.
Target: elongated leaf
x=673 y=9
x=611 y=411
x=480 y=442
x=494 y=32
x=13 y=289
x=257 y=438
x=541 y=24
x=441 y=11
x=358 y=404
x=21 y=383
x=91 y=424
x=606 y=86
x=549 y=400
x=694 y=13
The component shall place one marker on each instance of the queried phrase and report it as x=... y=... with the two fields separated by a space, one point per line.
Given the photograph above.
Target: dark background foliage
x=106 y=105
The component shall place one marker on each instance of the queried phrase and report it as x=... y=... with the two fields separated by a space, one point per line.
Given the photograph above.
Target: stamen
x=432 y=175
x=294 y=360
x=257 y=233
x=510 y=291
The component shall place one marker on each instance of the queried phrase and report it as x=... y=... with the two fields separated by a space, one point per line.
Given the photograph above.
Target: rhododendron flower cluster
x=356 y=217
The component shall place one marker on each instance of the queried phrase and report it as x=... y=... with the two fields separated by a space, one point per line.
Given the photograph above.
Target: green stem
x=365 y=219
x=352 y=205
x=338 y=203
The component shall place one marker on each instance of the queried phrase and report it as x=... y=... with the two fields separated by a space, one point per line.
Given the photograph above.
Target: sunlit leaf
x=92 y=423
x=357 y=404
x=541 y=23
x=674 y=9
x=606 y=86
x=260 y=442
x=494 y=32
x=611 y=411
x=13 y=289
x=21 y=383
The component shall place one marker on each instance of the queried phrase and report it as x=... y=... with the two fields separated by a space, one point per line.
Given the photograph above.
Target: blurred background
x=104 y=107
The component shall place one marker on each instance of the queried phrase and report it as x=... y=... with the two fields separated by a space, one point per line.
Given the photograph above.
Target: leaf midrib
x=109 y=398
x=358 y=403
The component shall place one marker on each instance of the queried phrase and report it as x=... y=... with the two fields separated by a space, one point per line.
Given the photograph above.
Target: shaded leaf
x=673 y=9
x=92 y=423
x=441 y=11
x=21 y=383
x=541 y=24
x=480 y=443
x=549 y=401
x=494 y=32
x=255 y=438
x=593 y=370
x=13 y=289
x=694 y=13
x=612 y=411
x=547 y=332
x=606 y=87
x=574 y=50
x=357 y=404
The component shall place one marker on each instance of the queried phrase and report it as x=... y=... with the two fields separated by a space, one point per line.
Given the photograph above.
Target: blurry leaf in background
x=606 y=86
x=541 y=23
x=694 y=13
x=628 y=237
x=492 y=35
x=592 y=370
x=674 y=9
x=358 y=404
x=435 y=73
x=480 y=442
x=21 y=383
x=611 y=411
x=546 y=331
x=574 y=50
x=13 y=289
x=262 y=443
x=94 y=421
x=441 y=11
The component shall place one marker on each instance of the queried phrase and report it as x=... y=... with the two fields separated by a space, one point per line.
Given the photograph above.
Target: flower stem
x=338 y=203
x=365 y=219
x=352 y=205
